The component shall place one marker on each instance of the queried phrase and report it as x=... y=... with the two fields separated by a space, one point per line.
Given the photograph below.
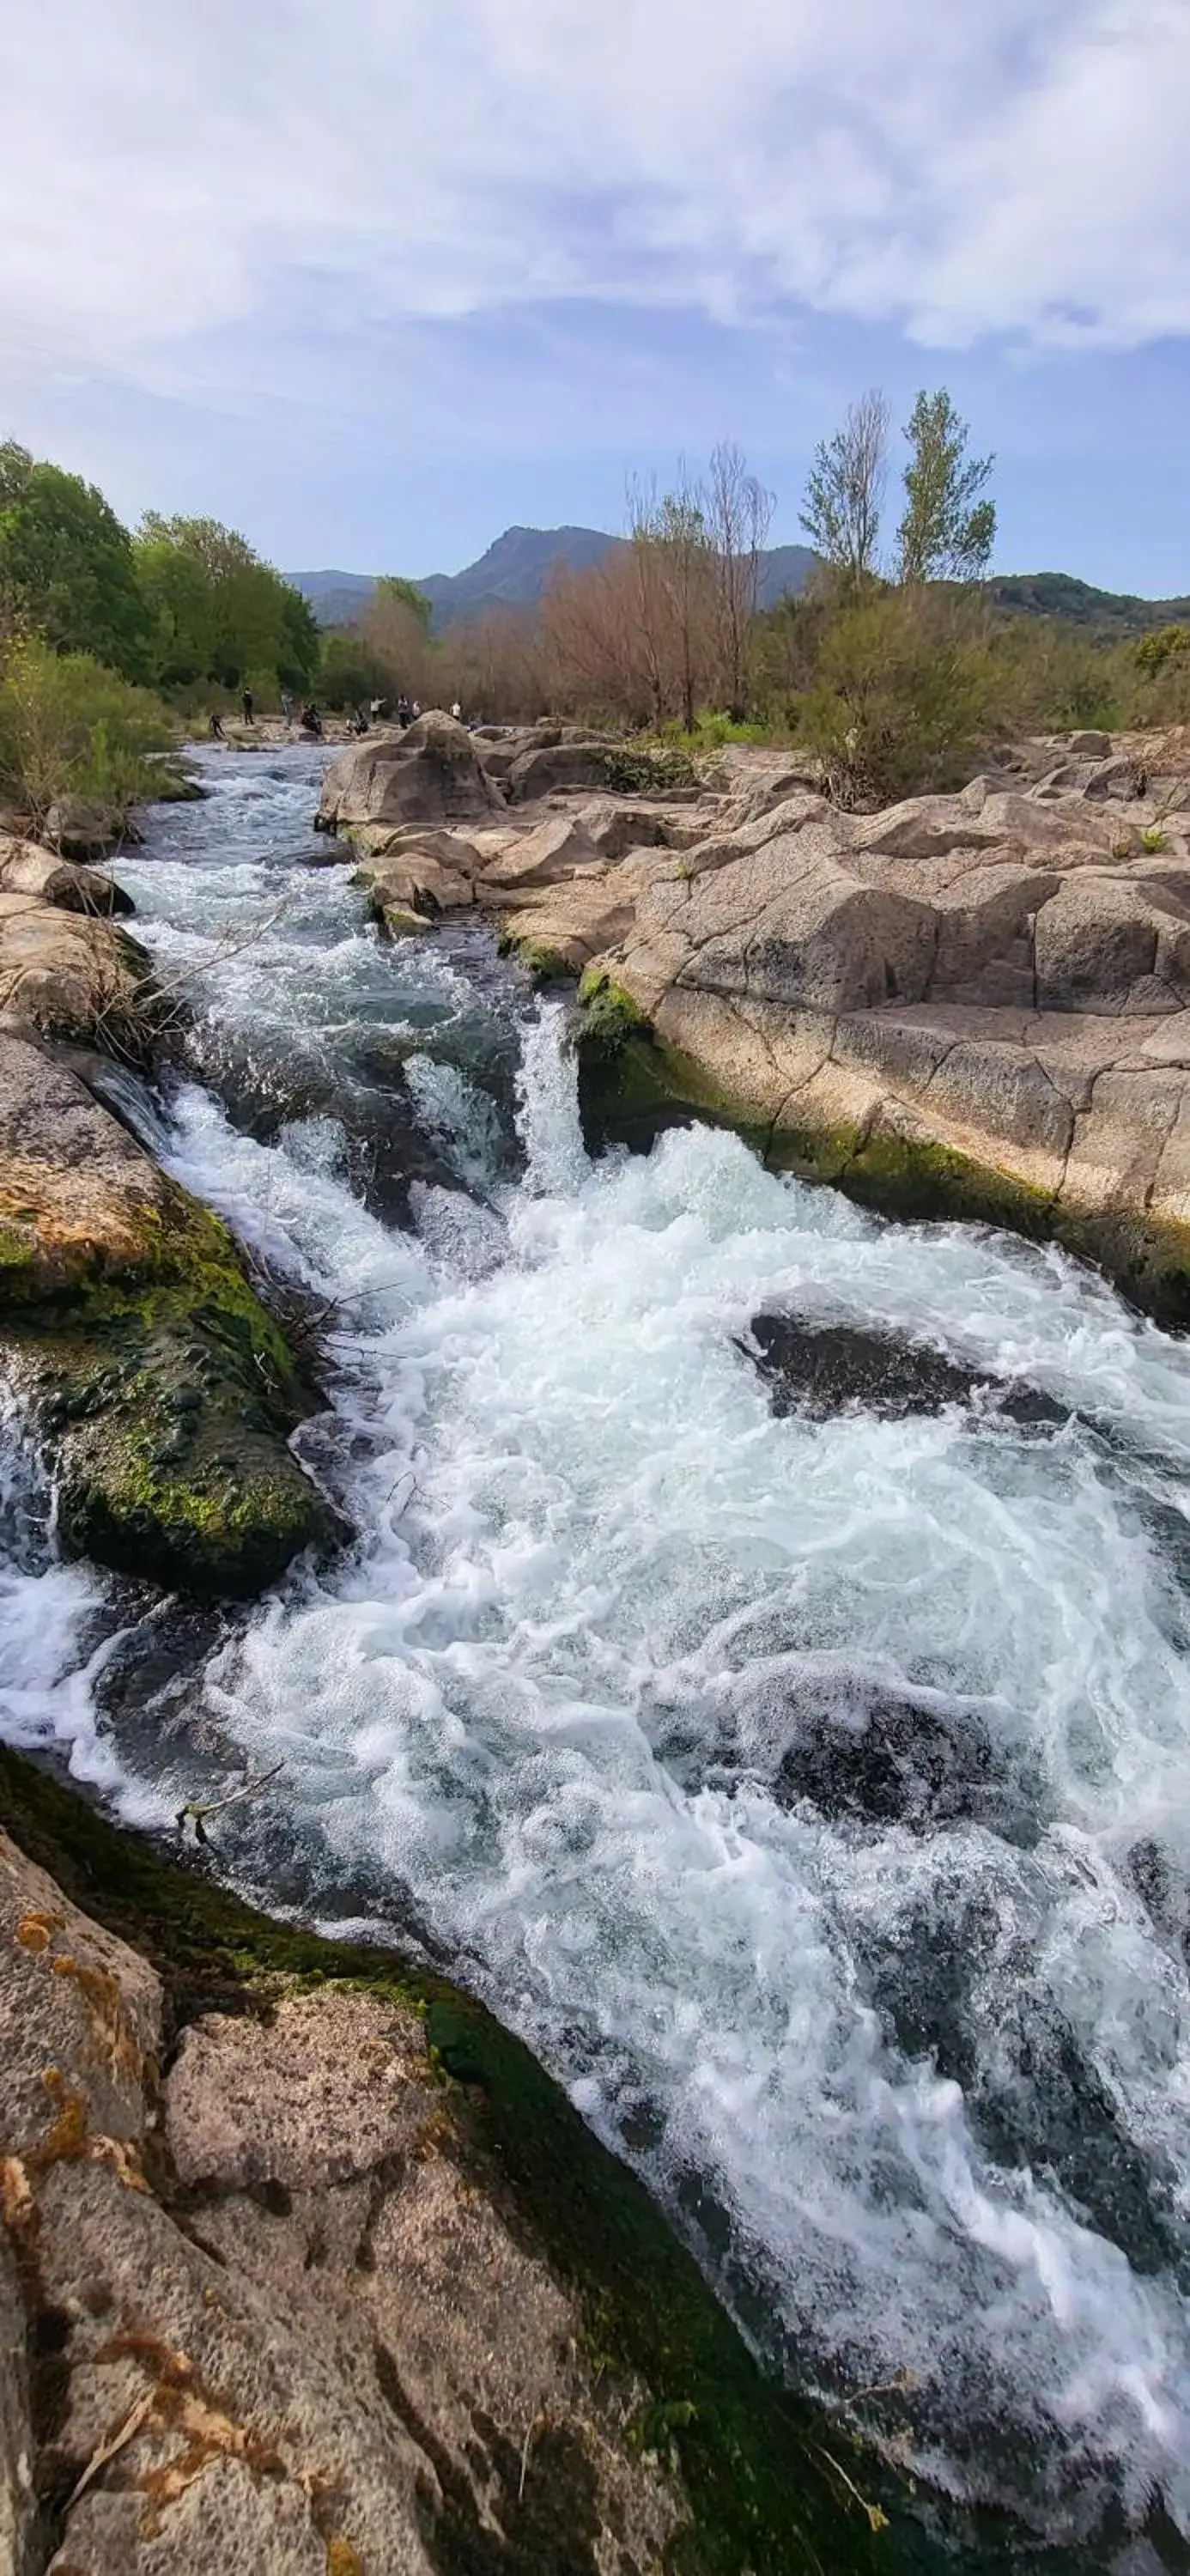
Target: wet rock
x=820 y=1368
x=432 y=774
x=162 y=1390
x=860 y=1753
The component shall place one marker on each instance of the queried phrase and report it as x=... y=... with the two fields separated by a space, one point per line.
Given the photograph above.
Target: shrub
x=907 y=691
x=640 y=769
x=70 y=727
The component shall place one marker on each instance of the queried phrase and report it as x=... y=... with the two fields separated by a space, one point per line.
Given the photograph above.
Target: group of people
x=310 y=722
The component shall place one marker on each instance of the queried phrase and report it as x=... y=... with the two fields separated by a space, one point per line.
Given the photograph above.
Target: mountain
x=1060 y=594
x=515 y=572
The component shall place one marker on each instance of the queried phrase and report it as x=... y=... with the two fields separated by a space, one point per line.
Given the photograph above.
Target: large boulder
x=954 y=1004
x=43 y=877
x=431 y=774
x=73 y=976
x=162 y=1391
x=314 y=2272
x=412 y=876
x=80 y=828
x=546 y=769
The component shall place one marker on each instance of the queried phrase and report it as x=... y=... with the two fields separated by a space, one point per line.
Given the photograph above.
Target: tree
x=738 y=512
x=845 y=491
x=220 y=612
x=67 y=571
x=396 y=628
x=947 y=532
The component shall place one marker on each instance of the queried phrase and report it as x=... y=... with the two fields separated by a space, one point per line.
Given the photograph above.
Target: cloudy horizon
x=373 y=287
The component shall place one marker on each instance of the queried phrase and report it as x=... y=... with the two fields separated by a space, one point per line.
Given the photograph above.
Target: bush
x=907 y=691
x=70 y=727
x=638 y=769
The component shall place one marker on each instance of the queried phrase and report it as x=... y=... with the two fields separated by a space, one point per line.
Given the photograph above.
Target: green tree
x=222 y=612
x=67 y=568
x=845 y=491
x=948 y=530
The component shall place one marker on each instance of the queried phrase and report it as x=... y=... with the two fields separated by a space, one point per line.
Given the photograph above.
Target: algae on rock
x=162 y=1390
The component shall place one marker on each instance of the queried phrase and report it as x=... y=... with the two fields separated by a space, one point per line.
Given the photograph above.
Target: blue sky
x=373 y=283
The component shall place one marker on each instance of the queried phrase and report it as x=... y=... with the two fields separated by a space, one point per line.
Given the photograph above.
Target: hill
x=1060 y=594
x=514 y=573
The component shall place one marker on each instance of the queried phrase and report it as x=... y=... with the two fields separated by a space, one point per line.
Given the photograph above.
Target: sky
x=374 y=281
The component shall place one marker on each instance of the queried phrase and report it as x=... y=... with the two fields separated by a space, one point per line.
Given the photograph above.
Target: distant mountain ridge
x=515 y=573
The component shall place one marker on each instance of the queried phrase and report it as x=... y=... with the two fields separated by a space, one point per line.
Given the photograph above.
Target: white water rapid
x=593 y=1695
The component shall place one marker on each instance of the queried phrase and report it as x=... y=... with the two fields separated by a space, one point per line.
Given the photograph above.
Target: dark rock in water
x=819 y=1368
x=862 y=1753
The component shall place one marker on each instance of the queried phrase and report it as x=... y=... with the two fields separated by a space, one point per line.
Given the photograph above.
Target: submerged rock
x=162 y=1390
x=333 y=2277
x=818 y=1368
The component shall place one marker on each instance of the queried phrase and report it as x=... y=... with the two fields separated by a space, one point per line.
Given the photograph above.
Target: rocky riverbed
x=968 y=1004
x=740 y=1639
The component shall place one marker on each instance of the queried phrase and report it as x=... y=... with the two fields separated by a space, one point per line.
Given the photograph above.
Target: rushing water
x=813 y=1793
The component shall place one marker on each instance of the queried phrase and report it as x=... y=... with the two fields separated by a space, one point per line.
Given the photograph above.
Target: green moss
x=610 y=1016
x=771 y=2490
x=546 y=965
x=399 y=920
x=165 y=1395
x=17 y=1248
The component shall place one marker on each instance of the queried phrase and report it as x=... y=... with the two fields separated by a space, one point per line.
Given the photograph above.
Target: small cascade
x=556 y=1160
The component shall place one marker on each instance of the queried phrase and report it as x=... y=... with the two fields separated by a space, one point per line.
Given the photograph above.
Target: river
x=811 y=1790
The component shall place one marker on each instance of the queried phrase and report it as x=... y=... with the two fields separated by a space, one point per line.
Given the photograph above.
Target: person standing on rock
x=217 y=732
x=246 y=703
x=287 y=706
x=457 y=712
x=404 y=712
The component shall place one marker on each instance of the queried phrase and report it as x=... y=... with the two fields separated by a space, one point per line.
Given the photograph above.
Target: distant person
x=311 y=721
x=287 y=706
x=217 y=732
x=376 y=709
x=404 y=712
x=358 y=721
x=457 y=712
x=246 y=703
x=416 y=710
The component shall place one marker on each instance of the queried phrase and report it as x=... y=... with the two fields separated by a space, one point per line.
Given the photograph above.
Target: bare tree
x=738 y=512
x=845 y=492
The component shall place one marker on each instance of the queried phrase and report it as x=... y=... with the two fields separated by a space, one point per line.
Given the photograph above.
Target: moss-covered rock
x=162 y=1390
x=759 y=2482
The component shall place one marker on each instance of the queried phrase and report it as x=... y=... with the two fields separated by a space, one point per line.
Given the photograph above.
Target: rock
x=548 y=855
x=545 y=770
x=333 y=2277
x=27 y=870
x=79 y=830
x=74 y=977
x=952 y=1005
x=1090 y=744
x=163 y=1392
x=411 y=876
x=432 y=774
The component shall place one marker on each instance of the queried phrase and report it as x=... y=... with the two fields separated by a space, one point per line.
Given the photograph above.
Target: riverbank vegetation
x=893 y=670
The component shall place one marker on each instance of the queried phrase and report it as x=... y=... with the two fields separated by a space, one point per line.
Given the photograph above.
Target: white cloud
x=998 y=166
